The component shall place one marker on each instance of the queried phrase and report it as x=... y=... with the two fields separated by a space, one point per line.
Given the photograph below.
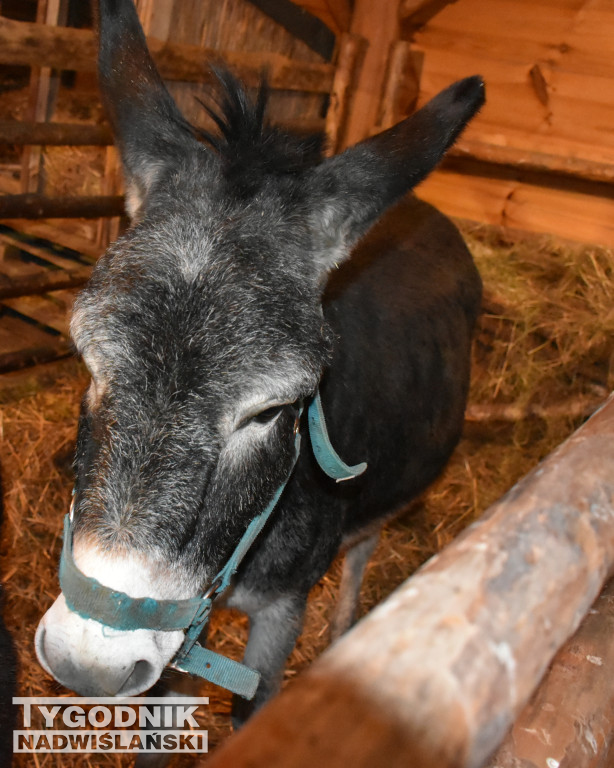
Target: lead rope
x=91 y=599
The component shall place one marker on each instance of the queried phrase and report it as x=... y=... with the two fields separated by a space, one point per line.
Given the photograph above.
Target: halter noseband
x=92 y=600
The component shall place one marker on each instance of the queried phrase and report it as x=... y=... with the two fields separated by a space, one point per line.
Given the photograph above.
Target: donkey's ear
x=150 y=132
x=357 y=186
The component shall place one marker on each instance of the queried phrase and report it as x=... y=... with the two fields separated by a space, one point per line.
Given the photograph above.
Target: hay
x=545 y=339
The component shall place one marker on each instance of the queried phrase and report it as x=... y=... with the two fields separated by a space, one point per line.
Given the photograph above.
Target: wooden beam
x=341 y=12
x=580 y=211
x=401 y=85
x=336 y=14
x=533 y=162
x=414 y=14
x=41 y=207
x=352 y=51
x=436 y=675
x=514 y=412
x=62 y=235
x=24 y=358
x=77 y=134
x=569 y=720
x=23 y=43
x=54 y=134
x=35 y=285
x=301 y=24
x=43 y=91
x=381 y=29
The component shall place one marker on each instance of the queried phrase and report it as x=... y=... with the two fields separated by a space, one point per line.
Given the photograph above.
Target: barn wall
x=229 y=25
x=549 y=70
x=211 y=25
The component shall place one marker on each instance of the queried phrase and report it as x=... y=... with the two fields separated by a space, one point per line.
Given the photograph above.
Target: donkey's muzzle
x=94 y=660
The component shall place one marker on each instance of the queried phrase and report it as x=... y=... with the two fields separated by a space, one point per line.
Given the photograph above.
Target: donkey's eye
x=268 y=415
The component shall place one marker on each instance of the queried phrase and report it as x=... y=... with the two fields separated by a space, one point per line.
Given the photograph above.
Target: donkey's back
x=403 y=311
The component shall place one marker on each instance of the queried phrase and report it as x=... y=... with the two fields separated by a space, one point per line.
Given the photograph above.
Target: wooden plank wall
x=229 y=25
x=235 y=27
x=38 y=279
x=549 y=69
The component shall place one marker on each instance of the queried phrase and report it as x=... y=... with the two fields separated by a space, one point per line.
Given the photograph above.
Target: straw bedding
x=542 y=359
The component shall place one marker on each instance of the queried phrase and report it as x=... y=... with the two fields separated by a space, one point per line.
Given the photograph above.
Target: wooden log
x=74 y=134
x=414 y=14
x=47 y=252
x=381 y=34
x=54 y=134
x=43 y=282
x=44 y=83
x=435 y=676
x=402 y=84
x=568 y=721
x=336 y=14
x=23 y=43
x=352 y=49
x=49 y=313
x=567 y=213
x=40 y=207
x=27 y=381
x=24 y=358
x=513 y=412
x=62 y=234
x=533 y=162
x=301 y=24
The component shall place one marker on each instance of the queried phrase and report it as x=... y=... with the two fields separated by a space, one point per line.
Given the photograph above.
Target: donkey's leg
x=274 y=628
x=354 y=564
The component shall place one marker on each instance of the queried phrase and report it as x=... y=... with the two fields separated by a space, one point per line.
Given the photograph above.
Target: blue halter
x=92 y=600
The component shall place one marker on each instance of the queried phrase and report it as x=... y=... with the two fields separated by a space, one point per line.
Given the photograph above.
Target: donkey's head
x=202 y=329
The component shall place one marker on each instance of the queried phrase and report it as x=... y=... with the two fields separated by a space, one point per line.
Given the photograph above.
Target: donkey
x=225 y=307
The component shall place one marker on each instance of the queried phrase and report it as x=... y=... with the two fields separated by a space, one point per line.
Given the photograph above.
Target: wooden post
x=352 y=49
x=436 y=675
x=570 y=719
x=402 y=84
x=378 y=23
x=43 y=90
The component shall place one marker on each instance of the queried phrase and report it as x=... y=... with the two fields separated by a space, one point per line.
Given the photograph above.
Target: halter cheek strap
x=92 y=600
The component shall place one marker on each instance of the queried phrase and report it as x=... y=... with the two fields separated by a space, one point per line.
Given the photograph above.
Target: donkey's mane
x=248 y=146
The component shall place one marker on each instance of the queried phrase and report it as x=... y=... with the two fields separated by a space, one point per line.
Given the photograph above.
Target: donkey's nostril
x=143 y=676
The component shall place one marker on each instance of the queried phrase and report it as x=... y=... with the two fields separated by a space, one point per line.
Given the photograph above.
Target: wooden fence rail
x=568 y=722
x=32 y=206
x=30 y=44
x=54 y=134
x=436 y=675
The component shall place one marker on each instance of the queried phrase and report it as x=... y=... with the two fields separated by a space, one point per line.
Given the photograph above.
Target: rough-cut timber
x=31 y=206
x=568 y=722
x=42 y=283
x=47 y=134
x=402 y=84
x=352 y=50
x=76 y=134
x=520 y=160
x=436 y=675
x=381 y=29
x=24 y=43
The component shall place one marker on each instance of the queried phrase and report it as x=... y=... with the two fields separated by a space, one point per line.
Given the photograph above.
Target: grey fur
x=216 y=314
